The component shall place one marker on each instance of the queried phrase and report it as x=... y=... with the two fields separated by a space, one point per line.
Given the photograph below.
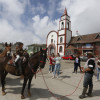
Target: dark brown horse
x=31 y=66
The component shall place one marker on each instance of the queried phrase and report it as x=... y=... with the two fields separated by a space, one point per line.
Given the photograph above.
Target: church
x=58 y=41
x=62 y=42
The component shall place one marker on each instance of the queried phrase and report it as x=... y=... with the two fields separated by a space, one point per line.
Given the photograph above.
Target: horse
x=35 y=62
x=4 y=58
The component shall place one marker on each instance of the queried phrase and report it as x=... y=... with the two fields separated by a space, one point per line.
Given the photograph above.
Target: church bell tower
x=64 y=33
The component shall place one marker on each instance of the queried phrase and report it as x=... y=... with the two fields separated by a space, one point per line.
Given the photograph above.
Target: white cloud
x=84 y=14
x=51 y=8
x=12 y=29
x=12 y=6
x=42 y=26
x=34 y=9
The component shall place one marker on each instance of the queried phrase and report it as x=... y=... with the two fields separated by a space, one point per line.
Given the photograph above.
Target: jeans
x=51 y=67
x=76 y=67
x=88 y=80
x=98 y=71
x=56 y=69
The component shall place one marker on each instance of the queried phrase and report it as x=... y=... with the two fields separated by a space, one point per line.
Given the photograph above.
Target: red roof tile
x=90 y=38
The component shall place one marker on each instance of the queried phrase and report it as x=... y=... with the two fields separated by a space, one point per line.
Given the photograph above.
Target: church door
x=52 y=50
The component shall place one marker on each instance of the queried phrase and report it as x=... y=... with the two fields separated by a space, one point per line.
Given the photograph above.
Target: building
x=57 y=41
x=35 y=47
x=86 y=43
x=62 y=42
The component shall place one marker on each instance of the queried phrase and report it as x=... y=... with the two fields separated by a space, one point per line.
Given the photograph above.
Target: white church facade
x=57 y=41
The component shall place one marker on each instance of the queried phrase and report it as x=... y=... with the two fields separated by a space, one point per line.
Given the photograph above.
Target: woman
x=57 y=65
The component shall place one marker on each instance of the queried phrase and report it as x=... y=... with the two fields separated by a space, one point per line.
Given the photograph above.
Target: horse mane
x=34 y=55
x=3 y=53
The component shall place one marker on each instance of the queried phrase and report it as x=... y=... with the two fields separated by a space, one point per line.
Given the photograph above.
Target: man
x=88 y=69
x=18 y=63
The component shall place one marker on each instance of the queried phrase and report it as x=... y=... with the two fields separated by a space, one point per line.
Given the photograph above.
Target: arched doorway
x=51 y=49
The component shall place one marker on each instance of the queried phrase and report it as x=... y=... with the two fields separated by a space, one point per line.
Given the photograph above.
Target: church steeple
x=65 y=12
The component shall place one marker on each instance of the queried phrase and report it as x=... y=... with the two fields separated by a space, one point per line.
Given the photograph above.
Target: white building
x=58 y=41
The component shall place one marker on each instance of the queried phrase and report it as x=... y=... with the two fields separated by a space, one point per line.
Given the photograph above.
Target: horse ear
x=6 y=44
x=10 y=44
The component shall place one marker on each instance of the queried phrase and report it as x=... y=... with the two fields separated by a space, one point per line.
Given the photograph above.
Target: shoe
x=53 y=77
x=49 y=71
x=89 y=94
x=83 y=93
x=82 y=96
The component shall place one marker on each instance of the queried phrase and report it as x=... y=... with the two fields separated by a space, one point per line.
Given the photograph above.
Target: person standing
x=57 y=65
x=76 y=64
x=79 y=63
x=88 y=82
x=51 y=64
x=98 y=68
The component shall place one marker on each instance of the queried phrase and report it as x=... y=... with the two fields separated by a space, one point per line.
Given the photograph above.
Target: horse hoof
x=3 y=93
x=29 y=94
x=22 y=97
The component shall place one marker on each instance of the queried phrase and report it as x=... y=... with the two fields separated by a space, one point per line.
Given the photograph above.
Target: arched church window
x=51 y=40
x=60 y=49
x=51 y=35
x=61 y=40
x=62 y=25
x=67 y=25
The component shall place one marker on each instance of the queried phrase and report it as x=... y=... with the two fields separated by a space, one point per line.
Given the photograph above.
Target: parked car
x=68 y=57
x=83 y=58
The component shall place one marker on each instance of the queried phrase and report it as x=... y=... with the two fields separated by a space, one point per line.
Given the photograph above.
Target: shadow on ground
x=96 y=93
x=36 y=93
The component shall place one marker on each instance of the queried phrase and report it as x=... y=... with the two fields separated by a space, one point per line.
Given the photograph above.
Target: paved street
x=64 y=85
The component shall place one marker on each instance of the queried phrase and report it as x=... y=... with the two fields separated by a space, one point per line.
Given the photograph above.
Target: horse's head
x=43 y=57
x=8 y=49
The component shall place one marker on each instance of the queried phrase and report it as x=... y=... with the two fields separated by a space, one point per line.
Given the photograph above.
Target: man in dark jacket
x=88 y=69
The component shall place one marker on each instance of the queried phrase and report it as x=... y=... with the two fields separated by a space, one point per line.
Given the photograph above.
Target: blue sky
x=29 y=21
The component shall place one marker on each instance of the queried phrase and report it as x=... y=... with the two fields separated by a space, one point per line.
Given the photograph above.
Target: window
x=97 y=43
x=88 y=45
x=51 y=40
x=67 y=25
x=79 y=39
x=98 y=36
x=62 y=25
x=61 y=40
x=60 y=49
x=51 y=35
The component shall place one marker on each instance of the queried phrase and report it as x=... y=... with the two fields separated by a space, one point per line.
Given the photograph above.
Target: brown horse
x=34 y=62
x=4 y=58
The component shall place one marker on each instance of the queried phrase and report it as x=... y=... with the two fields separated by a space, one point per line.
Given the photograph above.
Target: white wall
x=61 y=32
x=54 y=34
x=68 y=36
